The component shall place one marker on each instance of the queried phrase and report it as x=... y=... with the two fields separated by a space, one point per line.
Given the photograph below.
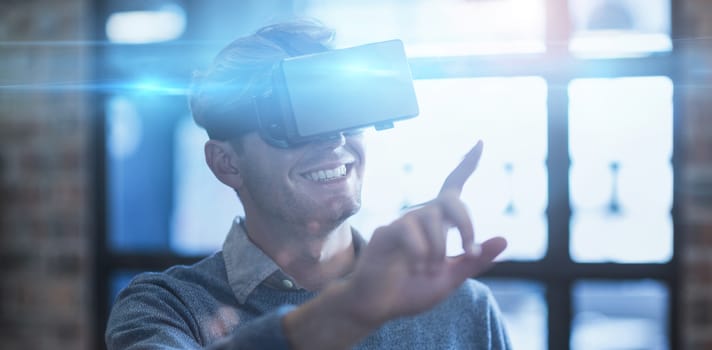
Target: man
x=293 y=273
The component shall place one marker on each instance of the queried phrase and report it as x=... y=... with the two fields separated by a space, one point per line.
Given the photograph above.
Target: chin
x=328 y=220
x=344 y=209
x=351 y=213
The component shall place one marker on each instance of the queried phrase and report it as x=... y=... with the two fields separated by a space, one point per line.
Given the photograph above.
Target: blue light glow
x=156 y=87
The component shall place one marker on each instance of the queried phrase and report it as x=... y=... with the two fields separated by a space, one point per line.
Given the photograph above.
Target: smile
x=325 y=175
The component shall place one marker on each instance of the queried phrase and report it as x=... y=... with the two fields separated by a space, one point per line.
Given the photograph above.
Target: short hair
x=243 y=70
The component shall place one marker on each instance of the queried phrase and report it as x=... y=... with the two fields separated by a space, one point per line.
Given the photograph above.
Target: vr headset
x=323 y=95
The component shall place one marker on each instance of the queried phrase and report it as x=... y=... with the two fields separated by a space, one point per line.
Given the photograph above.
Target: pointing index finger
x=455 y=181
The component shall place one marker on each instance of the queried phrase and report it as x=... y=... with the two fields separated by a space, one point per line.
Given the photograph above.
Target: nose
x=333 y=140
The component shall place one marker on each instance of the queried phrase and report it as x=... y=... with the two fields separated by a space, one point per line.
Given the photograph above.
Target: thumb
x=470 y=265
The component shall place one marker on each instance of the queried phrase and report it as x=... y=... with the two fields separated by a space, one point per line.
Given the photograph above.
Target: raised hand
x=404 y=269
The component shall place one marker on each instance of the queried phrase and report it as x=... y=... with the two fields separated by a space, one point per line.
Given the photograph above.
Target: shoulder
x=174 y=296
x=209 y=269
x=170 y=305
x=179 y=285
x=207 y=272
x=474 y=292
x=468 y=318
x=475 y=306
x=474 y=302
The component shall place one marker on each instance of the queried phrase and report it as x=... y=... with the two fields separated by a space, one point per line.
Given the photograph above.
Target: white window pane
x=507 y=194
x=615 y=111
x=620 y=142
x=524 y=310
x=620 y=28
x=629 y=238
x=437 y=28
x=620 y=315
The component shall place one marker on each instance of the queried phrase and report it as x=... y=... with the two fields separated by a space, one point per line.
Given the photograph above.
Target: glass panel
x=620 y=28
x=523 y=306
x=620 y=315
x=620 y=139
x=139 y=169
x=507 y=194
x=436 y=28
x=205 y=207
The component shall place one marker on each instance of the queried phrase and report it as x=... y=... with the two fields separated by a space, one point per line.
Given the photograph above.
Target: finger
x=468 y=265
x=491 y=248
x=455 y=181
x=413 y=243
x=435 y=230
x=457 y=215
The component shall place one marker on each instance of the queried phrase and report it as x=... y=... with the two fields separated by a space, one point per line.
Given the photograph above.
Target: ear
x=223 y=162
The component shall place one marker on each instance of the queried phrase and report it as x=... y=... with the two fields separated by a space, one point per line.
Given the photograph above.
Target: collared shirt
x=237 y=298
x=248 y=266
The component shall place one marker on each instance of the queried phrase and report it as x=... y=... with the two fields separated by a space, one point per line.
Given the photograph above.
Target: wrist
x=350 y=303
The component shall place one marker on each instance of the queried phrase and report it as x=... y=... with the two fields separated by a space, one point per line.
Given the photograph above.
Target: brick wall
x=695 y=18
x=44 y=188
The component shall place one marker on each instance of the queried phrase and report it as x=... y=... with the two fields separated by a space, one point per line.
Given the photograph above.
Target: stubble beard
x=302 y=211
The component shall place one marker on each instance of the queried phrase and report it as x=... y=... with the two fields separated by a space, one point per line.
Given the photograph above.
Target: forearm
x=329 y=321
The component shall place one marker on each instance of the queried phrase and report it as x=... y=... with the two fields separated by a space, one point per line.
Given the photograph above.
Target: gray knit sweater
x=205 y=306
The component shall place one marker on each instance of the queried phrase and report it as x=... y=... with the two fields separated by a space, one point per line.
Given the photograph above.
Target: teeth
x=326 y=175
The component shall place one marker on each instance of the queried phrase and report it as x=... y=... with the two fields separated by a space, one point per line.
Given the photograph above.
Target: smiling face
x=315 y=184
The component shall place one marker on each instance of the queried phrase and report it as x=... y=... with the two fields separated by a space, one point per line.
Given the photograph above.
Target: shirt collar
x=248 y=266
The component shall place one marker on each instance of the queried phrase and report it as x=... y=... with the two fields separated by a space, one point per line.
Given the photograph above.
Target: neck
x=312 y=253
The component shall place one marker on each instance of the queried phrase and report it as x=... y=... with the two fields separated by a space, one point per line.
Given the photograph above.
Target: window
x=616 y=217
x=507 y=194
x=574 y=100
x=632 y=315
x=619 y=28
x=437 y=28
x=523 y=306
